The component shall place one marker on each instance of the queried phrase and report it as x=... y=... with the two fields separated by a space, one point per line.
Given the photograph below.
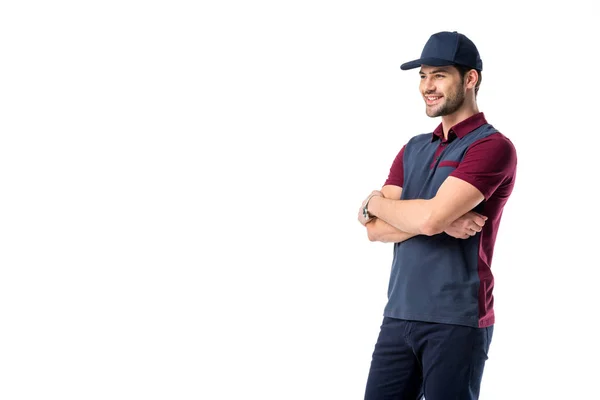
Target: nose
x=428 y=85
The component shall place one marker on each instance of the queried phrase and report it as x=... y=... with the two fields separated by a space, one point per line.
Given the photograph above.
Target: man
x=441 y=207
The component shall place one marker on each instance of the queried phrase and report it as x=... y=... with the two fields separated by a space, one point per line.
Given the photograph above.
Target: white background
x=179 y=184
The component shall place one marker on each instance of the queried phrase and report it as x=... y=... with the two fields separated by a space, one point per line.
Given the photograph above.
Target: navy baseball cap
x=447 y=48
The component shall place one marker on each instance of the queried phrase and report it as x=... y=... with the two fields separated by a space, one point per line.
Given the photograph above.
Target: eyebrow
x=436 y=71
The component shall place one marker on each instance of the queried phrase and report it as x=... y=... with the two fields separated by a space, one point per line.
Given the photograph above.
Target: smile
x=430 y=100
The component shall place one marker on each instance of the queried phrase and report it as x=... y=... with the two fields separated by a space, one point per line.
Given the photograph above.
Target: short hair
x=462 y=70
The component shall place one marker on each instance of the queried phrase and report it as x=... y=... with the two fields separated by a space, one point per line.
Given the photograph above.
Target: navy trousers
x=413 y=359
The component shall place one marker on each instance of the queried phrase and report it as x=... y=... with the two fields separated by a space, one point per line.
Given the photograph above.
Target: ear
x=471 y=79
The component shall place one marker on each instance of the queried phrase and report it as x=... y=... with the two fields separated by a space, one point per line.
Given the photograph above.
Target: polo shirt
x=439 y=278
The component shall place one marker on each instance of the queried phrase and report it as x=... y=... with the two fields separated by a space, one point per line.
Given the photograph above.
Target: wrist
x=365 y=210
x=368 y=208
x=372 y=205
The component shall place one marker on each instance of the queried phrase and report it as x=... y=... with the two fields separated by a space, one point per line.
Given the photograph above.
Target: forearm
x=380 y=231
x=409 y=216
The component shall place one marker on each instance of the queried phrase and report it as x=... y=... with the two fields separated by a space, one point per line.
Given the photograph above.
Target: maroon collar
x=462 y=128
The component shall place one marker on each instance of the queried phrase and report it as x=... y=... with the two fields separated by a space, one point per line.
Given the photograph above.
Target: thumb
x=480 y=215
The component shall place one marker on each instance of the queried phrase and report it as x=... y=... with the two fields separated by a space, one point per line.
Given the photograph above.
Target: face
x=442 y=89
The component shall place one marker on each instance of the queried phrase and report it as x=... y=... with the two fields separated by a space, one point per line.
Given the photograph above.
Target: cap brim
x=434 y=62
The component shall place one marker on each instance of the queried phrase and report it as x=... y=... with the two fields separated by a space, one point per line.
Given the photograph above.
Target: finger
x=475 y=227
x=479 y=215
x=462 y=234
x=473 y=214
x=478 y=220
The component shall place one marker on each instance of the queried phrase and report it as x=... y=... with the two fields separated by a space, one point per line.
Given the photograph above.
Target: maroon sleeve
x=488 y=163
x=396 y=175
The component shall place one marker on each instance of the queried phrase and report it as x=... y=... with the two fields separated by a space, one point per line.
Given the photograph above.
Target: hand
x=361 y=217
x=466 y=226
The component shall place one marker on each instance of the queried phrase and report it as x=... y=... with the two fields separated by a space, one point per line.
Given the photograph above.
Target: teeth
x=432 y=98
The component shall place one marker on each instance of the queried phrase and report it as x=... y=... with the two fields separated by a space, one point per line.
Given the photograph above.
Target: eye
x=422 y=76
x=439 y=76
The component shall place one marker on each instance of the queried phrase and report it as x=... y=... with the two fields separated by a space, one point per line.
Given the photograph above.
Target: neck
x=466 y=111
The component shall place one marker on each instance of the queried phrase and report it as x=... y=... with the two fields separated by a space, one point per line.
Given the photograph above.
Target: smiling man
x=441 y=206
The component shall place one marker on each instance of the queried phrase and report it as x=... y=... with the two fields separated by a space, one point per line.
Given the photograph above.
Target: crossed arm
x=488 y=163
x=380 y=231
x=449 y=211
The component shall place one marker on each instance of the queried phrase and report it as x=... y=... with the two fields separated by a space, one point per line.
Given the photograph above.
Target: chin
x=432 y=113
